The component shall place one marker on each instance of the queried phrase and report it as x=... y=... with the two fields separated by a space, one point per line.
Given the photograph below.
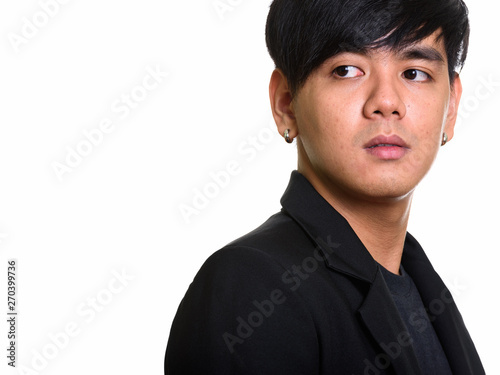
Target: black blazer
x=302 y=295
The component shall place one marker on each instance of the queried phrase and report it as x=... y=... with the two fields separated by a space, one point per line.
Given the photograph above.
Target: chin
x=387 y=193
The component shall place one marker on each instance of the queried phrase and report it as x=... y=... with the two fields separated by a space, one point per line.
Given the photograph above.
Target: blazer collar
x=347 y=254
x=330 y=230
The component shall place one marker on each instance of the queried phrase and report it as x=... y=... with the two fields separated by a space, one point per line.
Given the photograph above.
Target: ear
x=455 y=95
x=282 y=104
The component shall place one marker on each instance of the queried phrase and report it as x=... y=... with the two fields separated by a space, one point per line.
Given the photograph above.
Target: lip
x=394 y=140
x=384 y=147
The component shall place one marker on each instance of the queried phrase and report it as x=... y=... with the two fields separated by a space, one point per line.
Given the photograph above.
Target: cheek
x=327 y=130
x=429 y=119
x=334 y=116
x=425 y=122
x=427 y=144
x=311 y=122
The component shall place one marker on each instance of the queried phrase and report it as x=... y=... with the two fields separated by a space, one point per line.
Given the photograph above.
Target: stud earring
x=445 y=139
x=287 y=136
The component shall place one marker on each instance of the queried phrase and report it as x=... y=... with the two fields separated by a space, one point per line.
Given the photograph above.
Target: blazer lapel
x=442 y=310
x=379 y=313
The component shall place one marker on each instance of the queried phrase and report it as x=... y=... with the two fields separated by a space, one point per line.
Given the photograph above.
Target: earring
x=286 y=134
x=445 y=139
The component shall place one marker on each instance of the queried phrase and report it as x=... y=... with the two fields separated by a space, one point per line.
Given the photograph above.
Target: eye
x=416 y=75
x=347 y=71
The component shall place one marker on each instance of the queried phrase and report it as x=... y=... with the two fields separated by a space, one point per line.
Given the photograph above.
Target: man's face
x=370 y=125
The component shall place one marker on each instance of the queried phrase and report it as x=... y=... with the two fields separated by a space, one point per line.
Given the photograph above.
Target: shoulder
x=238 y=313
x=268 y=250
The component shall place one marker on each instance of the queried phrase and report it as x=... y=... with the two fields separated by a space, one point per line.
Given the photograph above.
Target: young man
x=333 y=284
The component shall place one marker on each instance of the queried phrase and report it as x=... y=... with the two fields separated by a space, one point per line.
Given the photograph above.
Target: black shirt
x=428 y=349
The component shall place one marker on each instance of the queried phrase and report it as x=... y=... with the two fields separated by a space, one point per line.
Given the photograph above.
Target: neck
x=380 y=224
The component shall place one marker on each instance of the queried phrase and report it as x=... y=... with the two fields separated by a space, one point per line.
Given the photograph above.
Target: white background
x=118 y=210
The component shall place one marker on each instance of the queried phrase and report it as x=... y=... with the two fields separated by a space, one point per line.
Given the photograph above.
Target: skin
x=348 y=101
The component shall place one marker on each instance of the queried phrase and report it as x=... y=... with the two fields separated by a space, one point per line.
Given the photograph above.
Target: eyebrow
x=421 y=53
x=415 y=52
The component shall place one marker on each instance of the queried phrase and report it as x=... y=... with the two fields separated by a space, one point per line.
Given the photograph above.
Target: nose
x=385 y=100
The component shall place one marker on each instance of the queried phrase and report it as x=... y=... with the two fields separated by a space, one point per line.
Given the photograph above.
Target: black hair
x=302 y=34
